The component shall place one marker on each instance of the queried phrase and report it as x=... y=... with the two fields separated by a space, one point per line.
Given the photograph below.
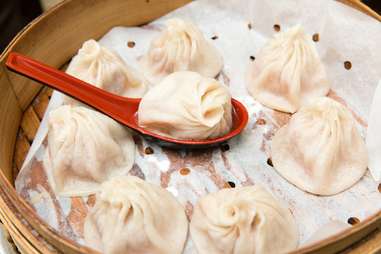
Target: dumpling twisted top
x=133 y=216
x=242 y=220
x=287 y=72
x=186 y=105
x=320 y=150
x=105 y=69
x=180 y=47
x=85 y=148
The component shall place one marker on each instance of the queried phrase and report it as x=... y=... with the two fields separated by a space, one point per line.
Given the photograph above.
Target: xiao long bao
x=287 y=72
x=320 y=150
x=103 y=68
x=187 y=106
x=85 y=148
x=242 y=220
x=133 y=216
x=180 y=47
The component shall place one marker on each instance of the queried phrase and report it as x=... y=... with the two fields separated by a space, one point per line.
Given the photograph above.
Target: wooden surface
x=370 y=244
x=10 y=115
x=17 y=101
x=357 y=4
x=29 y=124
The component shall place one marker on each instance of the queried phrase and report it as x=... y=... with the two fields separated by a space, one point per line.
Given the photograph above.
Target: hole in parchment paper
x=231 y=184
x=250 y=26
x=131 y=44
x=270 y=162
x=148 y=150
x=277 y=28
x=215 y=37
x=261 y=121
x=315 y=37
x=252 y=58
x=184 y=171
x=225 y=147
x=353 y=221
x=347 y=65
x=379 y=188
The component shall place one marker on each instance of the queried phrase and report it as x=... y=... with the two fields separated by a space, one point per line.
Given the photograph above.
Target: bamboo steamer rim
x=28 y=243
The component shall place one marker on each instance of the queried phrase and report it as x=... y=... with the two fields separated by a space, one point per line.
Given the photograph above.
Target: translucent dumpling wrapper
x=287 y=72
x=180 y=47
x=133 y=216
x=187 y=106
x=103 y=68
x=85 y=148
x=320 y=150
x=242 y=220
x=373 y=137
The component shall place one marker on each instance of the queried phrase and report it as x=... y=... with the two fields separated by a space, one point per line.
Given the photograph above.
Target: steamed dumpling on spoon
x=187 y=106
x=181 y=46
x=287 y=72
x=205 y=107
x=320 y=150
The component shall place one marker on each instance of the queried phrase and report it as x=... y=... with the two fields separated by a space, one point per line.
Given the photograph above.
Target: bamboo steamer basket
x=54 y=38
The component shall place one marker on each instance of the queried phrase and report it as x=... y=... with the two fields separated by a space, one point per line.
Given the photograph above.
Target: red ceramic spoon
x=122 y=109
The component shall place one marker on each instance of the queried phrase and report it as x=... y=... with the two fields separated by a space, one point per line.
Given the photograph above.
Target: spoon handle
x=117 y=107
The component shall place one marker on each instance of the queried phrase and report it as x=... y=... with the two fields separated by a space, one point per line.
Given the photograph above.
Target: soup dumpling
x=85 y=148
x=103 y=68
x=242 y=220
x=320 y=150
x=187 y=106
x=287 y=72
x=180 y=47
x=133 y=216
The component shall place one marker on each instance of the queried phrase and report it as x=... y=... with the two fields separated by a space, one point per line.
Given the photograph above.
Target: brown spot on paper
x=231 y=184
x=353 y=221
x=148 y=150
x=260 y=121
x=277 y=28
x=316 y=37
x=184 y=171
x=270 y=162
x=131 y=44
x=347 y=65
x=201 y=159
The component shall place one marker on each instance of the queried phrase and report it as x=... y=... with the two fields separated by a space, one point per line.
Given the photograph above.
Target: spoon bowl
x=121 y=109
